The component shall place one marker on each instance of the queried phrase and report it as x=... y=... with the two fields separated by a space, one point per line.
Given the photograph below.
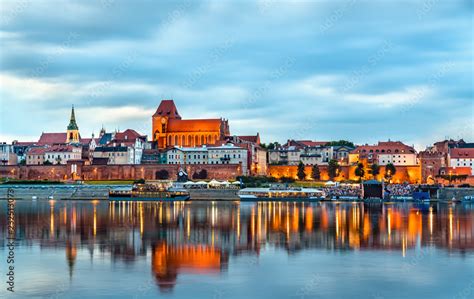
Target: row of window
x=117 y=154
x=235 y=156
x=198 y=162
x=464 y=164
x=57 y=156
x=381 y=151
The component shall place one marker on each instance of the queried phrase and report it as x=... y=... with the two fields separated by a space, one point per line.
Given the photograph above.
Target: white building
x=462 y=157
x=120 y=147
x=62 y=154
x=116 y=155
x=400 y=159
x=225 y=154
x=229 y=154
x=187 y=155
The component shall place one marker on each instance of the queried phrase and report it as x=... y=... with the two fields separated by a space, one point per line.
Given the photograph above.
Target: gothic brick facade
x=170 y=130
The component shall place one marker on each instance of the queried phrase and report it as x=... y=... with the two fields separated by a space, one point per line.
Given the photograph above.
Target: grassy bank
x=308 y=184
x=111 y=182
x=34 y=182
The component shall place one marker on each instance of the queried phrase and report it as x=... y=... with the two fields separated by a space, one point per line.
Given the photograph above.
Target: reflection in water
x=199 y=237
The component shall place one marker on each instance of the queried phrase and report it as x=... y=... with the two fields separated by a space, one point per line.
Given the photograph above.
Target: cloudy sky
x=322 y=70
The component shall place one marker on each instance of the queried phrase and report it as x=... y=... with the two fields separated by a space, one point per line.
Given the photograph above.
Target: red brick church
x=170 y=130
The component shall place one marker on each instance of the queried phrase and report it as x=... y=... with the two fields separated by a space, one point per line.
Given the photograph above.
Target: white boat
x=281 y=194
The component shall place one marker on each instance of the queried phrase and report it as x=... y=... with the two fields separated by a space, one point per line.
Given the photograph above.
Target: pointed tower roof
x=167 y=108
x=72 y=123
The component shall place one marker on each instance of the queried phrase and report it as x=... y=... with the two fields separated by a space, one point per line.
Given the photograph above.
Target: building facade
x=62 y=154
x=214 y=155
x=462 y=157
x=383 y=153
x=7 y=154
x=35 y=156
x=309 y=153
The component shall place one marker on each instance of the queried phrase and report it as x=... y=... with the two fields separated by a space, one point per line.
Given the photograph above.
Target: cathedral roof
x=52 y=138
x=194 y=125
x=58 y=138
x=167 y=108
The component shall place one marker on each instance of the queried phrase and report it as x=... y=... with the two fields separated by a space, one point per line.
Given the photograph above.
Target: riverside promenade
x=43 y=192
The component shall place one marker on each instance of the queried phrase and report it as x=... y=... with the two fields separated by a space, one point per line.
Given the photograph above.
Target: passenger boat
x=281 y=194
x=148 y=192
x=423 y=196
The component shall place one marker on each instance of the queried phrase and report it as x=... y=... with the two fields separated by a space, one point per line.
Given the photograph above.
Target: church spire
x=72 y=123
x=72 y=129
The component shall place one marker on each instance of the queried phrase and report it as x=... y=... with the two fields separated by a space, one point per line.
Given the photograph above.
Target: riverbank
x=101 y=192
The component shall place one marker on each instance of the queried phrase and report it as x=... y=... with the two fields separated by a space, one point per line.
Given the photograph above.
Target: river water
x=92 y=249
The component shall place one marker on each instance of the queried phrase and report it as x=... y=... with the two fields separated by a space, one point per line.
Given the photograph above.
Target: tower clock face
x=163 y=121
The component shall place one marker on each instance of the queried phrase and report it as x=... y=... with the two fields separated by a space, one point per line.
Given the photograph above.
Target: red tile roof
x=36 y=151
x=384 y=147
x=462 y=153
x=58 y=149
x=167 y=108
x=194 y=125
x=251 y=138
x=52 y=138
x=312 y=143
x=127 y=135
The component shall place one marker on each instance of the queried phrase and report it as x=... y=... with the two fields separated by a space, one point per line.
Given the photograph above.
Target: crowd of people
x=400 y=189
x=343 y=190
x=356 y=191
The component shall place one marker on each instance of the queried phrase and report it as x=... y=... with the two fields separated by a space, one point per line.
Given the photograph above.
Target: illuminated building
x=170 y=130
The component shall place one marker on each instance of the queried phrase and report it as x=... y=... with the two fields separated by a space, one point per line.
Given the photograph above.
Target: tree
x=58 y=160
x=453 y=177
x=359 y=171
x=286 y=180
x=390 y=171
x=315 y=173
x=374 y=170
x=271 y=145
x=162 y=174
x=201 y=175
x=333 y=169
x=47 y=162
x=301 y=174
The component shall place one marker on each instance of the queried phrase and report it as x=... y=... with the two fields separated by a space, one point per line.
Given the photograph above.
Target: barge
x=148 y=192
x=281 y=194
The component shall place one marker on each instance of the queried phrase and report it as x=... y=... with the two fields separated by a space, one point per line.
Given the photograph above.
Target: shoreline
x=101 y=192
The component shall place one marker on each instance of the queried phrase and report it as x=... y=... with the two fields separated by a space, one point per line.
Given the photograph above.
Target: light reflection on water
x=234 y=250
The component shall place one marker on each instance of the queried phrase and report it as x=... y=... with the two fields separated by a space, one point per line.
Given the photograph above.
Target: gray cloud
x=129 y=54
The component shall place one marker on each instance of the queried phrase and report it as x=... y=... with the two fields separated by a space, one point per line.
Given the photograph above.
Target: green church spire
x=72 y=123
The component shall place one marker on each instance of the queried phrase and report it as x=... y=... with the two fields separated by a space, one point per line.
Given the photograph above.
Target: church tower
x=72 y=129
x=166 y=111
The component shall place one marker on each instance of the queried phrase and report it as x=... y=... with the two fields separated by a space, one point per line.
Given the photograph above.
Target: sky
x=364 y=71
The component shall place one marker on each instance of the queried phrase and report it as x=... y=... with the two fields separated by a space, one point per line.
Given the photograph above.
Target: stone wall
x=410 y=174
x=457 y=193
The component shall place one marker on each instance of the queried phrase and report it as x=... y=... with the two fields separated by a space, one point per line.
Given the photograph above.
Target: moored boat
x=281 y=194
x=148 y=192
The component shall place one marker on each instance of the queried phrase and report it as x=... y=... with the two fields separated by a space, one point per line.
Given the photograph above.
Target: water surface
x=84 y=249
